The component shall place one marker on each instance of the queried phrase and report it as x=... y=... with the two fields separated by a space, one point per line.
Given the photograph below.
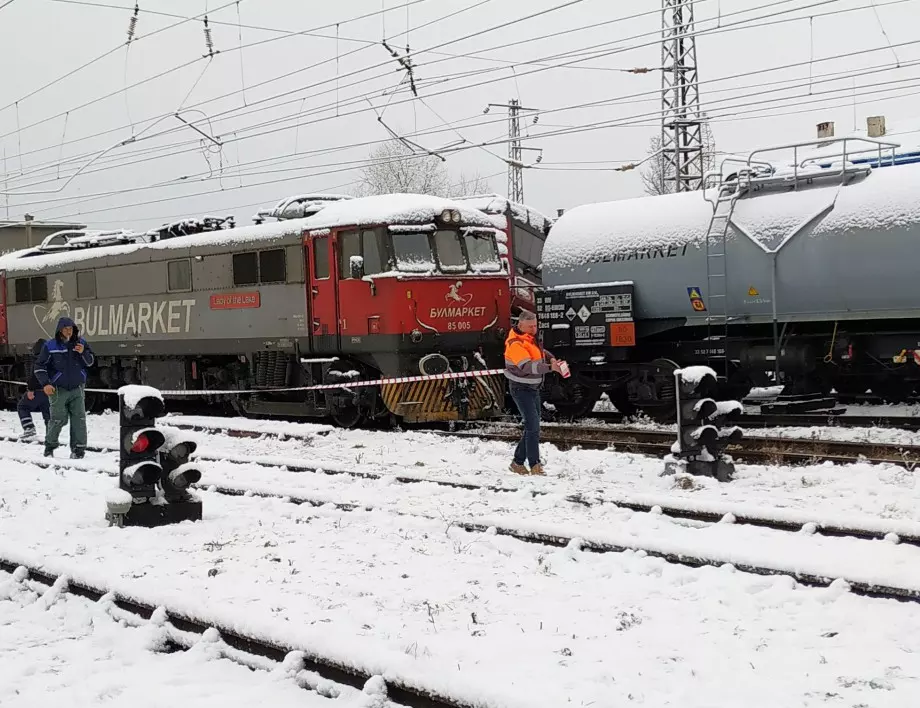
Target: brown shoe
x=537 y=469
x=518 y=469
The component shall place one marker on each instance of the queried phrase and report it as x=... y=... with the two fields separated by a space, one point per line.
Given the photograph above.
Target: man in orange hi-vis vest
x=525 y=366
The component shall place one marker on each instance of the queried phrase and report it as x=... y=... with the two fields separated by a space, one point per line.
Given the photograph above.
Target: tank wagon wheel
x=581 y=402
x=892 y=390
x=666 y=411
x=620 y=399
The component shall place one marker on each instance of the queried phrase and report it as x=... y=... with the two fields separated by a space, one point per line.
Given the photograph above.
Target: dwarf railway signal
x=154 y=467
x=701 y=433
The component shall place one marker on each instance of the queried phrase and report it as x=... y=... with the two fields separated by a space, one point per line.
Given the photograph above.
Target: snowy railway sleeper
x=521 y=533
x=184 y=631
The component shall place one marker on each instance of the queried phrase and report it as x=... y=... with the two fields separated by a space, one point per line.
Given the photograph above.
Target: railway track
x=800 y=420
x=773 y=450
x=185 y=631
x=681 y=556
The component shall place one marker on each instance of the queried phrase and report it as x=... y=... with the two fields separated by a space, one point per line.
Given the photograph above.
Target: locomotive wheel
x=350 y=417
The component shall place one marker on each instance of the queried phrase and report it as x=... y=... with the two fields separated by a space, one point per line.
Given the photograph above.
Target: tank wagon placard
x=587 y=315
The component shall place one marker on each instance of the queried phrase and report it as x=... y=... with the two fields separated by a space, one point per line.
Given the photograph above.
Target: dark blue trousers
x=26 y=408
x=527 y=400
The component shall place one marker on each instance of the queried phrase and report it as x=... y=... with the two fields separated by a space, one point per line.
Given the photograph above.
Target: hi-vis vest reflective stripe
x=523 y=358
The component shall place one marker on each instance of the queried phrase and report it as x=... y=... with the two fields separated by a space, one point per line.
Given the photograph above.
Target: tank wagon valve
x=154 y=468
x=701 y=433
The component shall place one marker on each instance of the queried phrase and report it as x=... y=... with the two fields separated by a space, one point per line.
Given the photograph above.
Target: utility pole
x=681 y=122
x=515 y=149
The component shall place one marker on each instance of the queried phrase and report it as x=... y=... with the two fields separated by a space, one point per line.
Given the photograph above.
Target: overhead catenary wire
x=172 y=70
x=500 y=46
x=834 y=76
x=612 y=101
x=82 y=213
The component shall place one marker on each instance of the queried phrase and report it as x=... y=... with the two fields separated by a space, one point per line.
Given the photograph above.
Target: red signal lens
x=141 y=444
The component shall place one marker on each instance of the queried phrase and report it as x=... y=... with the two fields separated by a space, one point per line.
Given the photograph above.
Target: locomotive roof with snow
x=497 y=206
x=885 y=198
x=393 y=209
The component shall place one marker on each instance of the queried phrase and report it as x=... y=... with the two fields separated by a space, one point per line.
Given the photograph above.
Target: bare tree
x=655 y=167
x=394 y=167
x=468 y=185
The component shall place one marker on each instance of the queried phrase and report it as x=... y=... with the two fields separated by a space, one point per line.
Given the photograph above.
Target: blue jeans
x=527 y=400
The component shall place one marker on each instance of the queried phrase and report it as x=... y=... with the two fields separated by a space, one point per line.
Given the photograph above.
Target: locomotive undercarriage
x=274 y=381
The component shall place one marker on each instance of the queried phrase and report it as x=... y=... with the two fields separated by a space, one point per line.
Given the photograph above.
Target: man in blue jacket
x=61 y=370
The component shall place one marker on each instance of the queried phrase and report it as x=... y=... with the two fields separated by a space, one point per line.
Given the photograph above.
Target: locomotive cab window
x=246 y=268
x=254 y=267
x=272 y=267
x=349 y=245
x=86 y=285
x=373 y=249
x=179 y=276
x=321 y=258
x=31 y=289
x=413 y=252
x=449 y=250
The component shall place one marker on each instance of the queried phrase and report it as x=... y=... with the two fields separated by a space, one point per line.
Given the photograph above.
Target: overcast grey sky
x=336 y=89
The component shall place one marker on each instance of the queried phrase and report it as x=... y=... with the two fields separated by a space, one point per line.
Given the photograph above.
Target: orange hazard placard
x=622 y=334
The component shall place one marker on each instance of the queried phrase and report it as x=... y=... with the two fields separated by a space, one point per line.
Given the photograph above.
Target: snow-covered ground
x=401 y=591
x=60 y=650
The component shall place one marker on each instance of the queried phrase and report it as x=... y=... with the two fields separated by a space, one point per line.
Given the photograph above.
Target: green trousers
x=67 y=406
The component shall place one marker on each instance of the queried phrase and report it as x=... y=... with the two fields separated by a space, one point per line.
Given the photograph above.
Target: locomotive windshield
x=447 y=251
x=413 y=253
x=450 y=252
x=480 y=246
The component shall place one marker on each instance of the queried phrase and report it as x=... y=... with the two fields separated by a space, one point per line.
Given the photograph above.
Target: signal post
x=702 y=435
x=155 y=473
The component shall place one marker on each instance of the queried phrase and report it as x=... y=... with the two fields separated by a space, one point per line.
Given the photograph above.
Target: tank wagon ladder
x=717 y=264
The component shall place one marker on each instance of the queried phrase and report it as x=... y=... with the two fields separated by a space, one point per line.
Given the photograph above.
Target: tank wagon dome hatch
x=872 y=201
x=298 y=207
x=497 y=207
x=392 y=209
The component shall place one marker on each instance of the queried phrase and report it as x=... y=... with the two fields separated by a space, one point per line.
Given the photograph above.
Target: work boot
x=518 y=469
x=49 y=451
x=77 y=454
x=537 y=469
x=27 y=435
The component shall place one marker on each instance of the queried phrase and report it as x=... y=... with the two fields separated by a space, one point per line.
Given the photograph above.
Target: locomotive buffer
x=701 y=435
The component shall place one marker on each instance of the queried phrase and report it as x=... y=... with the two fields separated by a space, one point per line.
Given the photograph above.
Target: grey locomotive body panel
x=828 y=252
x=128 y=303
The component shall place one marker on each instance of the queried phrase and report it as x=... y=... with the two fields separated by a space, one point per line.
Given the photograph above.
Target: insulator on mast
x=132 y=24
x=208 y=40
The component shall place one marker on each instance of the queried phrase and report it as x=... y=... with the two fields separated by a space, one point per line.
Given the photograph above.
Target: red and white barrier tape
x=345 y=384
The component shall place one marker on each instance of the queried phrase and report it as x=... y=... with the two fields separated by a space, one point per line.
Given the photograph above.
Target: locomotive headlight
x=445 y=216
x=456 y=216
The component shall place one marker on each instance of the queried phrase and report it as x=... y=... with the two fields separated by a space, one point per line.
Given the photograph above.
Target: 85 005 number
x=459 y=326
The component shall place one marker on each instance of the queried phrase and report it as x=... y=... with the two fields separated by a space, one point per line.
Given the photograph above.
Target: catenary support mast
x=681 y=122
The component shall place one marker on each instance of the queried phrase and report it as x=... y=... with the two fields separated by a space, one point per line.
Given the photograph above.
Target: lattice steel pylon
x=515 y=154
x=681 y=122
x=515 y=149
